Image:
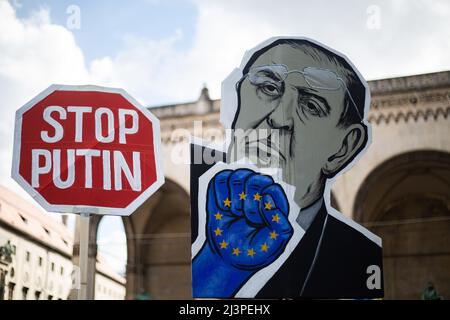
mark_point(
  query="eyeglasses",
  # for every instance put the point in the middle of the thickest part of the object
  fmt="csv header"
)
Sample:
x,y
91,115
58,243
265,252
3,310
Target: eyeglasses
x,y
316,78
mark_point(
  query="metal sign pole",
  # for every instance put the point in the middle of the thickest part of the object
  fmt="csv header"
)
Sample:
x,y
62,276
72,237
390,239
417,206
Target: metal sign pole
x,y
84,255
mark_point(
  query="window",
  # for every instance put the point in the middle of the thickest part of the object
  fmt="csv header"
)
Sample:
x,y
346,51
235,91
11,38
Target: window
x,y
11,290
37,295
25,220
24,293
61,271
53,266
40,261
27,256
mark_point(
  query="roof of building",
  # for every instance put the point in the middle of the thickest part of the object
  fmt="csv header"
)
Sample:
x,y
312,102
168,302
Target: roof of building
x,y
24,217
104,268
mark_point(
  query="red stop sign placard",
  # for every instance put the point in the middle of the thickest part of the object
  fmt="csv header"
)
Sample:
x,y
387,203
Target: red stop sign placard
x,y
87,149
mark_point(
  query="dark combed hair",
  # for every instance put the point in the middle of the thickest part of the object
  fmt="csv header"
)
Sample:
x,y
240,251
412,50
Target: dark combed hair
x,y
354,85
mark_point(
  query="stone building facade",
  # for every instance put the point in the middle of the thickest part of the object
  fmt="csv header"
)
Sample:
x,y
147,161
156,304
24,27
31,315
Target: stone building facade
x,y
40,265
400,189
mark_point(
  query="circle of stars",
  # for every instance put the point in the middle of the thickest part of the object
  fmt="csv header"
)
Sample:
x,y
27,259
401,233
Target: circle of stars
x,y
250,252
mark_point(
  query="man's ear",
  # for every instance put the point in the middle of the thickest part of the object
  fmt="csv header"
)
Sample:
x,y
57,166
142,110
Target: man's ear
x,y
352,144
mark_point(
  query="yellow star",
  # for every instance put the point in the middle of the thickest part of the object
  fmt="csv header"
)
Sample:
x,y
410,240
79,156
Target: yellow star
x,y
257,197
276,218
223,245
268,205
242,196
218,232
273,235
264,247
227,202
236,252
218,216
251,252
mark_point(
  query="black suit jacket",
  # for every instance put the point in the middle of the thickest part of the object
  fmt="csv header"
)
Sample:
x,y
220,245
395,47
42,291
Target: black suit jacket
x,y
330,261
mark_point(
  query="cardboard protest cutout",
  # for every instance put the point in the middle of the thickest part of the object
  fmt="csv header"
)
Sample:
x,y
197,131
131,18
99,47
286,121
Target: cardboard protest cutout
x,y
262,221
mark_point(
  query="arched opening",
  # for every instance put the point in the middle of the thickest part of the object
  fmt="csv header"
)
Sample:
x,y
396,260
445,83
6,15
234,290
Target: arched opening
x,y
111,259
406,201
157,241
164,246
158,246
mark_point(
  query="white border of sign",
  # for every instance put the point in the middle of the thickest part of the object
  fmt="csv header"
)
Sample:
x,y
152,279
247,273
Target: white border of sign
x,y
87,209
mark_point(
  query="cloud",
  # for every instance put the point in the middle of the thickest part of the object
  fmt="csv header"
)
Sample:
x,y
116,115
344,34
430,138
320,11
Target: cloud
x,y
147,69
409,40
34,53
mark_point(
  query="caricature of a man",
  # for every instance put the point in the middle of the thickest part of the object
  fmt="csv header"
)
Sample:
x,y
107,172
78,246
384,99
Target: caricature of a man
x,y
315,101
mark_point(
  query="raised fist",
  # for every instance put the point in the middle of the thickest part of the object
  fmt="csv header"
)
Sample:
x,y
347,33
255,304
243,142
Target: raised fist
x,y
247,228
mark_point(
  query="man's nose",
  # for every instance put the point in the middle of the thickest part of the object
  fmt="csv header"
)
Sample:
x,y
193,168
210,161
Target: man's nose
x,y
281,116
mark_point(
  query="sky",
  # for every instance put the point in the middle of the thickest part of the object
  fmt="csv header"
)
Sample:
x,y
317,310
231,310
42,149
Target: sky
x,y
163,52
